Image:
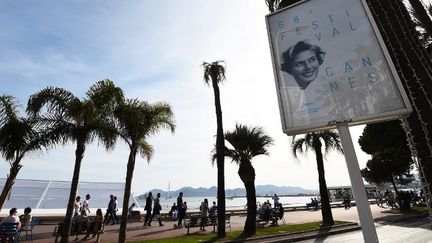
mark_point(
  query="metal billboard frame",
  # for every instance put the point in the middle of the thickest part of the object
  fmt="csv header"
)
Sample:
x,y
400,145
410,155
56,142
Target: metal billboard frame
x,y
385,116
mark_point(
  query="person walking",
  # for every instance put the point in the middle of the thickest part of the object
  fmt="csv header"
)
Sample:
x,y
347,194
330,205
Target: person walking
x,y
181,209
85,205
156,210
148,209
275,200
380,201
77,206
204,208
109,211
114,211
347,200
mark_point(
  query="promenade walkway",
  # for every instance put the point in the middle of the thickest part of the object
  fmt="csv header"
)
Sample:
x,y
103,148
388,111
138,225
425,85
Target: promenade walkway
x,y
136,231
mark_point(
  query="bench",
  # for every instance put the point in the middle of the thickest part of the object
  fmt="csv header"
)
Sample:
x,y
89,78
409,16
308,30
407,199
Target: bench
x,y
271,216
29,228
135,216
9,232
197,221
313,207
78,229
228,221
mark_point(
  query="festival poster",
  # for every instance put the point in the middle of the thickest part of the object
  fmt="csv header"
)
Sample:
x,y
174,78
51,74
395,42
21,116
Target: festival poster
x,y
330,67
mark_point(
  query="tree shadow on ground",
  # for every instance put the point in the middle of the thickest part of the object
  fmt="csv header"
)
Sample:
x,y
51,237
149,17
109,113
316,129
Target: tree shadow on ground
x,y
324,229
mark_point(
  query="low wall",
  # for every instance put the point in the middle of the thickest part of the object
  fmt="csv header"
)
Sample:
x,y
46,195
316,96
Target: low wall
x,y
56,216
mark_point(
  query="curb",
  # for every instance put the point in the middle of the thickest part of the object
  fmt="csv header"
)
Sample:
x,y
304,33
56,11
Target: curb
x,y
312,234
305,235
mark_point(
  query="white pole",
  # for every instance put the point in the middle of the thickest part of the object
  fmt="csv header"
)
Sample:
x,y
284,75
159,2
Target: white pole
x,y
359,191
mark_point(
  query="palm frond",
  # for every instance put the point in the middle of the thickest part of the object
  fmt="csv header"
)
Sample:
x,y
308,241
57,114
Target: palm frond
x,y
247,143
56,100
331,141
272,5
214,72
8,109
297,147
161,116
308,141
145,150
104,94
137,120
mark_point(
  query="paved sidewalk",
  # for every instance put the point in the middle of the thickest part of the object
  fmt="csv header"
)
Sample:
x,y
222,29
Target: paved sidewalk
x,y
136,231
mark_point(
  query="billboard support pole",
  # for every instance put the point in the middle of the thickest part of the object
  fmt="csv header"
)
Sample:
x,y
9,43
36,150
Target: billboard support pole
x,y
359,191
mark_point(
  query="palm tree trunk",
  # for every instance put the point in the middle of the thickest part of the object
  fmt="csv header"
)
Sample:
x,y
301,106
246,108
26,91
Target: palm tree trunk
x,y
13,172
127,190
79,155
326,212
247,175
220,146
394,186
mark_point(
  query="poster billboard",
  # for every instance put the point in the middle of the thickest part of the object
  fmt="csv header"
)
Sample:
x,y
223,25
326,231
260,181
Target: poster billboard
x,y
331,67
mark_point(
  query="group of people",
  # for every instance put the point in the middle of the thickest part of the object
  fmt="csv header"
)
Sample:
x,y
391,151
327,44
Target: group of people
x,y
81,221
347,200
156,209
265,210
386,197
23,221
82,208
207,212
111,212
313,204
153,209
389,198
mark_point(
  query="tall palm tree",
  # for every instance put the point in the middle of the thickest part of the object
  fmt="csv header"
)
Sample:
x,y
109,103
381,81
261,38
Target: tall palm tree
x,y
414,67
18,136
136,122
215,73
247,143
314,141
80,121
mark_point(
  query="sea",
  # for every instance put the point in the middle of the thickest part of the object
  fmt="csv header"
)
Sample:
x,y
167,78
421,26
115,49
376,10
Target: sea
x,y
234,203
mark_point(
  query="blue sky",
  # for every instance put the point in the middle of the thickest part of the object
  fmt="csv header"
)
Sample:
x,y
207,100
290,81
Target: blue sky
x,y
153,51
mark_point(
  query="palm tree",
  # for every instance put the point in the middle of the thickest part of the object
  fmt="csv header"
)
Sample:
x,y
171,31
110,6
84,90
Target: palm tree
x,y
215,73
79,121
18,136
136,122
247,142
313,141
414,67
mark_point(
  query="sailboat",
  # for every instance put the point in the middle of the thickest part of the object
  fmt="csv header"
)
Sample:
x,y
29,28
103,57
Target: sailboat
x,y
168,192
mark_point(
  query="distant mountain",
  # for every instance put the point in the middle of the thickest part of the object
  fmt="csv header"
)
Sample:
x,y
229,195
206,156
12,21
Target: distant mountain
x,y
261,190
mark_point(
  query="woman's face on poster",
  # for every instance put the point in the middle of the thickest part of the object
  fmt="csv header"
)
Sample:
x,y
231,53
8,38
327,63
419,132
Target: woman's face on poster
x,y
305,67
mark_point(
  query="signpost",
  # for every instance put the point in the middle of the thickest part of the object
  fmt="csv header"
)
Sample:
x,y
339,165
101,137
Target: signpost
x,y
359,191
331,71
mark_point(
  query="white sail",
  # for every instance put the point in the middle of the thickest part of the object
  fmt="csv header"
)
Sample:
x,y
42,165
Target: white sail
x,y
168,192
